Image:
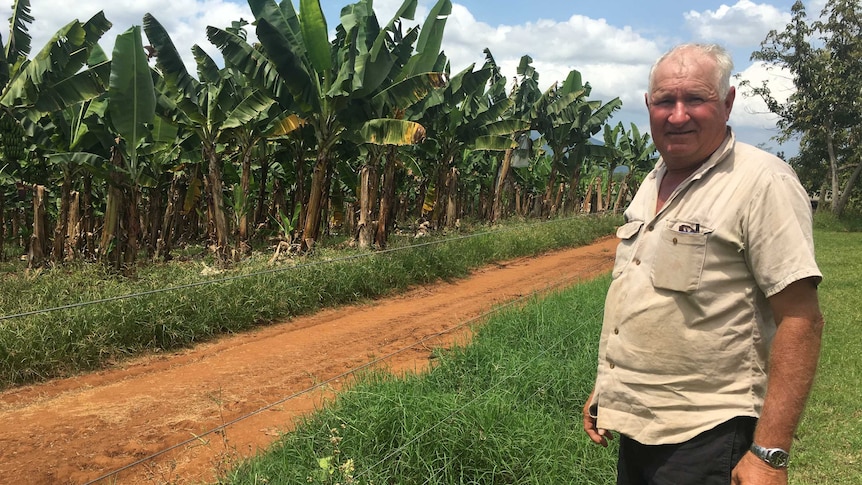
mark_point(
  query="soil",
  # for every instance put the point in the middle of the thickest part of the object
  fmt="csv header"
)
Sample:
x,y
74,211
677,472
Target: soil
x,y
183,417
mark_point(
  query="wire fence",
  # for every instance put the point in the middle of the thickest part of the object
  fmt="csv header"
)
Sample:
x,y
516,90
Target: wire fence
x,y
255,274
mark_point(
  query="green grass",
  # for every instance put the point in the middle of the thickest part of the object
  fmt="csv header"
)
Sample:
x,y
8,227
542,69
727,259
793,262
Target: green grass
x,y
829,445
80,338
506,408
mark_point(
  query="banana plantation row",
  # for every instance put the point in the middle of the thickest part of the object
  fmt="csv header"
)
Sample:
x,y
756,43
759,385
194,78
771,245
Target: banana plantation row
x,y
287,138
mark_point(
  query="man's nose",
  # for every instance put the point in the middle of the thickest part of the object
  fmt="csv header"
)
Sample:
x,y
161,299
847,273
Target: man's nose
x,y
679,113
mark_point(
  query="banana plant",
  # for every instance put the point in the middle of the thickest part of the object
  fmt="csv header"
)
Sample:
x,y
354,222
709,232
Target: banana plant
x,y
69,69
319,80
131,105
472,112
566,120
214,108
379,122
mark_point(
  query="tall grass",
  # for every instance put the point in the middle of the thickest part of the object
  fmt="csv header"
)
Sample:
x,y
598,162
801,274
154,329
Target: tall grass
x,y
505,409
48,344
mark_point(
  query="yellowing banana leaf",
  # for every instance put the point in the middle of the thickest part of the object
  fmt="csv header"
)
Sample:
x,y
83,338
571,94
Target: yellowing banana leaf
x,y
387,131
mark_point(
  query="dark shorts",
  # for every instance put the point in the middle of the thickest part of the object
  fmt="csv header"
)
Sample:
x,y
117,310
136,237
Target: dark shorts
x,y
706,459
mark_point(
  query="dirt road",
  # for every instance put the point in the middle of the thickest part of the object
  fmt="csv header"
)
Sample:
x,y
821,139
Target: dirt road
x,y
247,387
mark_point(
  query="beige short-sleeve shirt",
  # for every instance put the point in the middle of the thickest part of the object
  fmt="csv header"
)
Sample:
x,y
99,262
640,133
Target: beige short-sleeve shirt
x,y
687,325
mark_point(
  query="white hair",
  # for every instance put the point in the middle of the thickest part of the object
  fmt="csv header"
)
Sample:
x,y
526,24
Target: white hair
x,y
718,54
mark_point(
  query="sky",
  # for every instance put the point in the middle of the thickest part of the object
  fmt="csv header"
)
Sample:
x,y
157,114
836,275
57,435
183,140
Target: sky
x,y
612,44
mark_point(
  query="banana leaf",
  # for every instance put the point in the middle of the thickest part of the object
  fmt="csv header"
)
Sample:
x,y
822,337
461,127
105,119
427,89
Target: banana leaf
x,y
315,35
249,109
494,143
258,69
387,131
304,85
282,17
131,94
168,60
410,91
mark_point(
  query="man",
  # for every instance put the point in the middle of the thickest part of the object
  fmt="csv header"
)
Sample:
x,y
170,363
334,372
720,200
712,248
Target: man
x,y
713,297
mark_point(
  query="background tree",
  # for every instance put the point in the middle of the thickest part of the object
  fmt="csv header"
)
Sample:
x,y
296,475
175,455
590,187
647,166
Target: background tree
x,y
826,107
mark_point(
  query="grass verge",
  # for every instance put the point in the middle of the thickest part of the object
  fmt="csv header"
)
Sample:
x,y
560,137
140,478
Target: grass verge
x,y
36,344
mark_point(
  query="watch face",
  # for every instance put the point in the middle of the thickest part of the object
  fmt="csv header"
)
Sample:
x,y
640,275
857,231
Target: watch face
x,y
777,458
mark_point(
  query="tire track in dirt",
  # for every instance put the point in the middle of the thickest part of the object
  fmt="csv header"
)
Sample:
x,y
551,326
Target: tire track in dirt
x,y
72,431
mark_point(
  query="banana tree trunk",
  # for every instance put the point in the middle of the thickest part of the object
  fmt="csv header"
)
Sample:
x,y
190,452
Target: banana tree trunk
x,y
421,193
547,201
387,201
2,226
133,227
112,244
599,198
368,187
245,196
215,203
574,189
313,211
88,222
611,168
39,238
558,199
452,197
624,187
438,212
261,190
497,212
73,234
58,252
164,242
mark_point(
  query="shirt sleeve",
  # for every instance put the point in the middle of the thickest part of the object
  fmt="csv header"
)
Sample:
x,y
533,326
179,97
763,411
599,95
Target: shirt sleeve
x,y
778,233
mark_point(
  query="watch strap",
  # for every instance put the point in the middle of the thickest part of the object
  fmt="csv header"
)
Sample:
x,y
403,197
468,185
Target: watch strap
x,y
774,457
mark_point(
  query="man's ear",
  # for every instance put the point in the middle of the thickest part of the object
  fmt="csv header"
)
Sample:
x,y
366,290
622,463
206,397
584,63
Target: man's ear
x,y
646,100
728,101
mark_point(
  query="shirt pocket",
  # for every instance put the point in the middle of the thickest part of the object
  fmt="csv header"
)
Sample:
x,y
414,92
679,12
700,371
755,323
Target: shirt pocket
x,y
627,233
679,259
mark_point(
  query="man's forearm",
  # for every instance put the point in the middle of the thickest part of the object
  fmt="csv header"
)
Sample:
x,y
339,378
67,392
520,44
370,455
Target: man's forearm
x,y
793,364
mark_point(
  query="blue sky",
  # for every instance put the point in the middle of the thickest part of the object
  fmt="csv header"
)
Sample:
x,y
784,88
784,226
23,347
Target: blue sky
x,y
612,43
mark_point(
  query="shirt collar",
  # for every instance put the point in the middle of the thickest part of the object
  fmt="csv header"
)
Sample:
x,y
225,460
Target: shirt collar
x,y
718,156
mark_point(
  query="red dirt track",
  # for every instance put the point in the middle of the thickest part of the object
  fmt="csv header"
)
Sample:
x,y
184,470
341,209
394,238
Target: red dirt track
x,y
77,430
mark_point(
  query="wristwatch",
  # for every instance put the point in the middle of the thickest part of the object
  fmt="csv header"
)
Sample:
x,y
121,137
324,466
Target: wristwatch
x,y
774,457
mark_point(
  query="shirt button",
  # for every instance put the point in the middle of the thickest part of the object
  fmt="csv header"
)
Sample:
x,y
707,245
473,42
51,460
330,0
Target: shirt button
x,y
674,241
616,331
637,262
650,228
611,365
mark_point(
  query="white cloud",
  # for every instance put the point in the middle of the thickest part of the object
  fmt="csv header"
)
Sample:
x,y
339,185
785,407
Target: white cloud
x,y
744,24
751,110
612,59
186,20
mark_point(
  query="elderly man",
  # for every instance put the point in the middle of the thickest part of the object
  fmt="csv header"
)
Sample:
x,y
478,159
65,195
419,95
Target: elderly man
x,y
712,326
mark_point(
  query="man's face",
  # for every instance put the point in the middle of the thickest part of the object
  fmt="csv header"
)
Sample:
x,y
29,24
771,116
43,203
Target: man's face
x,y
688,120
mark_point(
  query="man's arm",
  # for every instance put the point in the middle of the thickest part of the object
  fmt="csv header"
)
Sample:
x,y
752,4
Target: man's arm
x,y
792,366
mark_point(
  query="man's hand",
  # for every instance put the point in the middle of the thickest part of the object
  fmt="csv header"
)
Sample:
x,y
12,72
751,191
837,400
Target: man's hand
x,y
751,470
598,436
